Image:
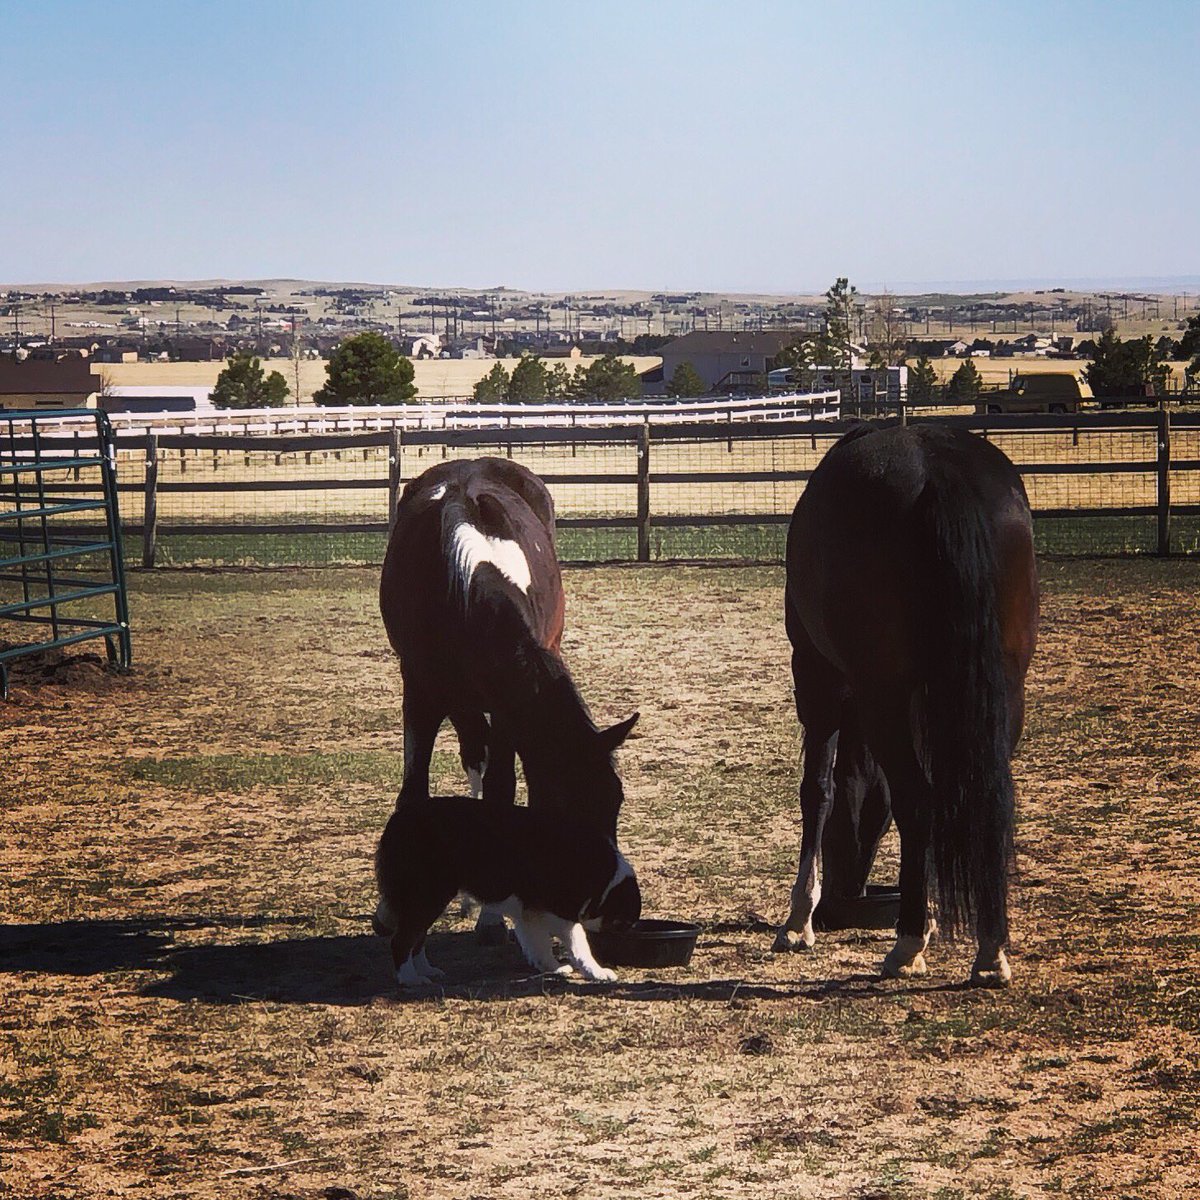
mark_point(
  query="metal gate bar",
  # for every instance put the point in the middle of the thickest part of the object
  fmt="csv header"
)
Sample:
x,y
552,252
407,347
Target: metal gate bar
x,y
57,567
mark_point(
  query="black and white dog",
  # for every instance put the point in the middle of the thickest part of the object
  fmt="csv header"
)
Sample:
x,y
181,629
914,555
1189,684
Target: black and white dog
x,y
550,875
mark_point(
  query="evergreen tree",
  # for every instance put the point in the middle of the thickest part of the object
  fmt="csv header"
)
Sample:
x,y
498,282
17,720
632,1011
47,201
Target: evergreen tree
x,y
965,385
685,381
493,387
797,354
560,382
922,382
530,382
833,344
367,369
1124,368
608,378
1189,344
242,384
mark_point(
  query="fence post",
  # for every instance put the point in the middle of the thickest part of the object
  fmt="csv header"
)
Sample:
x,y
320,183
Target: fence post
x,y
643,492
150,509
1164,480
395,446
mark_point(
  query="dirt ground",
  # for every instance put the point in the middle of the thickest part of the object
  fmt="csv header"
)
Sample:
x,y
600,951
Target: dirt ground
x,y
192,1004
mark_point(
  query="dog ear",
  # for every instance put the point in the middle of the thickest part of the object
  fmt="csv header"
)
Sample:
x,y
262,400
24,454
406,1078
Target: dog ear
x,y
613,736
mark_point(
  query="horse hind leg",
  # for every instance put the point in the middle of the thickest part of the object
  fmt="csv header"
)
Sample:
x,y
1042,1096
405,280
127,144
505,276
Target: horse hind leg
x,y
991,967
816,799
910,794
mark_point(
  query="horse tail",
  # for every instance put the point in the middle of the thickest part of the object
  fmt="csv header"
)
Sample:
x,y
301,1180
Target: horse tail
x,y
966,724
456,510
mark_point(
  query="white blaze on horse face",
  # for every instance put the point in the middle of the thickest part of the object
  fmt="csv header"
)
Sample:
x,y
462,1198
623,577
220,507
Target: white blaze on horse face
x,y
472,548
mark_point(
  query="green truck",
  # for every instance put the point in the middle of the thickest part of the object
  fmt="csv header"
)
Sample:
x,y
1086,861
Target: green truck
x,y
1038,392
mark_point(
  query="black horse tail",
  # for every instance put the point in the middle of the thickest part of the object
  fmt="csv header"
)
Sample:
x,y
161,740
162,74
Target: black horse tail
x,y
966,724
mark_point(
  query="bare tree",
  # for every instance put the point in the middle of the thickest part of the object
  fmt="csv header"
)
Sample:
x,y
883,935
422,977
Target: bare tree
x,y
887,340
297,359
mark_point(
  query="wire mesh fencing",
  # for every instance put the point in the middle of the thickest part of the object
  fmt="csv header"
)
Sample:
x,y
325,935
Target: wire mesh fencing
x,y
1098,484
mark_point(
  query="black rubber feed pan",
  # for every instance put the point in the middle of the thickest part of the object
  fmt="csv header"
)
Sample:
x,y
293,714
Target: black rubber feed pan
x,y
647,943
878,909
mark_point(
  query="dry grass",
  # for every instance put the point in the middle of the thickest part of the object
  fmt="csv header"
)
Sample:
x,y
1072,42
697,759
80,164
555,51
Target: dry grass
x,y
191,991
436,379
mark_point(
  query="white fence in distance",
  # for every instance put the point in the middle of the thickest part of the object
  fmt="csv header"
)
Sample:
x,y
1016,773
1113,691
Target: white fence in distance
x,y
799,406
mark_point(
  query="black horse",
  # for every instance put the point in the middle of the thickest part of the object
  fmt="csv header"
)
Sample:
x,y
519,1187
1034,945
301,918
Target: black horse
x,y
472,600
912,609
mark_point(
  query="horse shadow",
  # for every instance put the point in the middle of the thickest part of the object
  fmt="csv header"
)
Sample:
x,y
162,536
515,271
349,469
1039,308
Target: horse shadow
x,y
349,970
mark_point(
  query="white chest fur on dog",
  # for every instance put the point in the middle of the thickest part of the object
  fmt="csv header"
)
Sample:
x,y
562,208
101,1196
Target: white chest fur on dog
x,y
472,549
549,875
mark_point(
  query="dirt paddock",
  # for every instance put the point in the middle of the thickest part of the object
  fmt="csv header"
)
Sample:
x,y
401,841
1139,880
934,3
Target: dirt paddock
x,y
192,1004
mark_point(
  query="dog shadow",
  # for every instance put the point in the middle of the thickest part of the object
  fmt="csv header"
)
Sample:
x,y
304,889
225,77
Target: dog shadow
x,y
344,969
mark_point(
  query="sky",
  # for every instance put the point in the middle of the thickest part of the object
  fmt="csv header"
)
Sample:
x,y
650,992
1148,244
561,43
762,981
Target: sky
x,y
760,146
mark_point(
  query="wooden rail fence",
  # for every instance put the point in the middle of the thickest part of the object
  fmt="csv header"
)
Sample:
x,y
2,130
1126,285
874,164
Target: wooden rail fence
x,y
654,462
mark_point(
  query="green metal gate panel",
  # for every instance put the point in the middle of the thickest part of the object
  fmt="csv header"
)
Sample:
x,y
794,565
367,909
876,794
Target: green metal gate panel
x,y
62,571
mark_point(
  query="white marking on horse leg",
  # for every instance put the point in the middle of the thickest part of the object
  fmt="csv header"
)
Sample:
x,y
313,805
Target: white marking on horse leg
x,y
575,941
537,944
424,967
797,932
907,957
471,548
991,968
438,492
407,974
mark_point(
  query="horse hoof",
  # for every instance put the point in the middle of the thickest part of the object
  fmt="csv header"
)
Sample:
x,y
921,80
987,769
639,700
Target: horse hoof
x,y
996,974
788,941
894,968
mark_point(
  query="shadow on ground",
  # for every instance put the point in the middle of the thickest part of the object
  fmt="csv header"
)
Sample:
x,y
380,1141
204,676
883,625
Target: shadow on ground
x,y
345,969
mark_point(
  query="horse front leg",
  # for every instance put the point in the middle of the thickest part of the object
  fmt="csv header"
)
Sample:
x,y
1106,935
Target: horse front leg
x,y
422,720
816,799
500,786
472,730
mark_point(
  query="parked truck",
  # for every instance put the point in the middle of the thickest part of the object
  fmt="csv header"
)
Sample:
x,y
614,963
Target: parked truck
x,y
1037,392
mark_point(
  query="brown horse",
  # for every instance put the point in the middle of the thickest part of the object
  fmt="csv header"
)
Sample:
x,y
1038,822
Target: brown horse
x,y
473,604
912,609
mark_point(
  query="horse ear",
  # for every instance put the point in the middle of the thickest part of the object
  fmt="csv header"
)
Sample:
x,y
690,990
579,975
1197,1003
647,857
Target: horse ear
x,y
612,737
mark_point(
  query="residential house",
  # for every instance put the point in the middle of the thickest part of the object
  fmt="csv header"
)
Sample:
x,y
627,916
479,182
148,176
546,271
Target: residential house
x,y
728,361
64,382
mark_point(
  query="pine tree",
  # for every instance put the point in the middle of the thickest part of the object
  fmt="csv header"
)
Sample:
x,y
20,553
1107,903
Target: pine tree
x,y
367,369
685,381
530,381
493,387
922,382
242,384
965,385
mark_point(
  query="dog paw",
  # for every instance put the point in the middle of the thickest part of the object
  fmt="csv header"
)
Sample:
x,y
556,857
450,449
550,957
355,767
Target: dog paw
x,y
602,975
412,981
